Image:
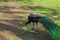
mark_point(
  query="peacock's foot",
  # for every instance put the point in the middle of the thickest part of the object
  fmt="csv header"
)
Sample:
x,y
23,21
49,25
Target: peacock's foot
x,y
36,30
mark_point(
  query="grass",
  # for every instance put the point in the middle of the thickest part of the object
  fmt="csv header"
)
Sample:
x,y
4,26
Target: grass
x,y
13,38
50,7
21,14
58,23
36,2
27,28
1,14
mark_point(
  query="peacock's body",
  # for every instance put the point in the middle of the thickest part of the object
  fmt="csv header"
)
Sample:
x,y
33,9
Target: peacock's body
x,y
51,27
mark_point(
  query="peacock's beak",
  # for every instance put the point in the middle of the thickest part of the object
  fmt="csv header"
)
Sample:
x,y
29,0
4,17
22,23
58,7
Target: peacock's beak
x,y
27,22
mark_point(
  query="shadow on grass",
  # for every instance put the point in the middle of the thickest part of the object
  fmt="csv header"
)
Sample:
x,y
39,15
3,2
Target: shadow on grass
x,y
26,35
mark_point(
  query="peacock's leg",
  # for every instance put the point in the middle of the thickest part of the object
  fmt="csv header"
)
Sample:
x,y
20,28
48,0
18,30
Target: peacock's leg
x,y
33,26
36,27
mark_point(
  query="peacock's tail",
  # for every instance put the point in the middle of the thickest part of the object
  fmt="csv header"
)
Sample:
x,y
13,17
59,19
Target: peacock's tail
x,y
51,26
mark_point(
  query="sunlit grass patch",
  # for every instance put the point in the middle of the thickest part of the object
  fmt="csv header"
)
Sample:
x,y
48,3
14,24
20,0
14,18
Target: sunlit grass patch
x,y
1,14
58,23
27,28
13,38
57,16
21,14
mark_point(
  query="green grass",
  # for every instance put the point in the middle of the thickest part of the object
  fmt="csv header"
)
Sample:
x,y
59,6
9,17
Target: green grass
x,y
27,28
13,38
50,7
1,14
58,23
39,2
42,2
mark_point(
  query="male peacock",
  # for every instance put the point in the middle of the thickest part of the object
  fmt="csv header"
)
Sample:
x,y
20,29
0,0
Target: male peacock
x,y
47,23
34,18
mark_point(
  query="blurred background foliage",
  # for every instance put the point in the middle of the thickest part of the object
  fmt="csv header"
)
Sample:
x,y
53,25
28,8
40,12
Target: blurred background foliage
x,y
50,8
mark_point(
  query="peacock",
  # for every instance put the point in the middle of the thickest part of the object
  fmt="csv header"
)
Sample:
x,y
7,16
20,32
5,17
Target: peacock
x,y
49,24
33,17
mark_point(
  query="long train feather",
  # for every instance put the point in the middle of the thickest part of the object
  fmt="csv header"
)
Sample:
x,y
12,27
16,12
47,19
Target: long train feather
x,y
51,27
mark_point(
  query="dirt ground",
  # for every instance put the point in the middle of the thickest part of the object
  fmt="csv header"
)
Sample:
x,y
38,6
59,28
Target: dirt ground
x,y
12,30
